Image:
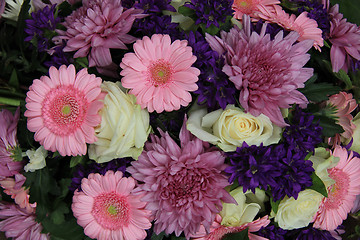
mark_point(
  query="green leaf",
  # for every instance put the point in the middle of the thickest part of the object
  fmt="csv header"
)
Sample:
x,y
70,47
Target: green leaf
x,y
68,230
64,187
342,75
81,62
274,205
243,235
234,186
317,92
10,101
188,12
58,216
329,125
24,14
14,81
77,160
212,30
158,237
350,9
318,185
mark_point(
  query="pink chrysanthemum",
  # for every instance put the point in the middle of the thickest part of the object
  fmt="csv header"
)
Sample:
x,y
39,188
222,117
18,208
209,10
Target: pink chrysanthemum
x,y
183,185
108,210
306,27
17,223
345,40
218,231
14,188
267,72
62,109
96,27
159,73
344,104
251,8
8,142
342,194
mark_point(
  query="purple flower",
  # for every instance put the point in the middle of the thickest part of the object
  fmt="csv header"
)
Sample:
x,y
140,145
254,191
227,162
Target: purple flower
x,y
40,28
272,232
309,233
211,12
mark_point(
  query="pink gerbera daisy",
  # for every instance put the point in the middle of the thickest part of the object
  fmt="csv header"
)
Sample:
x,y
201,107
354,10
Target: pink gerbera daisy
x,y
8,143
95,28
159,73
17,223
108,210
342,194
183,185
344,104
62,109
267,72
251,8
218,231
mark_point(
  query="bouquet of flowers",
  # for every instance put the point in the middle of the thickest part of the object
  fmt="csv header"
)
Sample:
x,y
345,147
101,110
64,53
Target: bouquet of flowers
x,y
182,119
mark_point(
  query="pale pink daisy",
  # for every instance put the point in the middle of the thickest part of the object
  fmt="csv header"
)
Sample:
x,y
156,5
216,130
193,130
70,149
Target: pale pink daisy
x,y
14,188
183,185
159,73
345,40
345,104
8,143
342,194
108,210
251,8
306,27
97,27
267,72
20,224
62,109
218,231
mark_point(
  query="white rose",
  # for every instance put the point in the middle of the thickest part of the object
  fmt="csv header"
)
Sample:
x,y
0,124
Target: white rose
x,y
293,214
356,134
229,128
236,215
124,126
37,159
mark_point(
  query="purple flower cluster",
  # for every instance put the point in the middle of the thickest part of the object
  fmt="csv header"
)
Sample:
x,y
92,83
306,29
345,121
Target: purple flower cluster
x,y
156,22
215,90
279,167
82,171
40,28
211,12
302,133
310,233
272,232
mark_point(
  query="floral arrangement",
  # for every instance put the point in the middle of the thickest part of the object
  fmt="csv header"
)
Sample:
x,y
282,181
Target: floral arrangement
x,y
182,119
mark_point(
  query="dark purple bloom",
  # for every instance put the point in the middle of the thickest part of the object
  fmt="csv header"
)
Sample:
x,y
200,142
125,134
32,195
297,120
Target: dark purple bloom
x,y
309,233
272,232
211,12
40,28
58,57
215,90
154,6
302,133
253,166
82,171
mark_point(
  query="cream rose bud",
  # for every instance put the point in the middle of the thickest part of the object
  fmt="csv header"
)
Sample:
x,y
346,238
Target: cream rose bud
x,y
293,214
248,206
37,159
124,126
229,128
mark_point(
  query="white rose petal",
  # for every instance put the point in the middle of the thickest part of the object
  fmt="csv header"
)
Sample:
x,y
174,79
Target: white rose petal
x,y
37,159
124,126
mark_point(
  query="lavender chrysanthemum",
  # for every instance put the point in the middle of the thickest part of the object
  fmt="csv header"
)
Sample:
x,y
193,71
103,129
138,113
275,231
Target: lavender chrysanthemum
x,y
211,12
215,90
253,167
266,72
41,26
183,185
302,133
83,171
271,28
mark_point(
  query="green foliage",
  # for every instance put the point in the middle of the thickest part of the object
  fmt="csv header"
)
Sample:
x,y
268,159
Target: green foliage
x,y
80,159
318,185
187,12
274,205
158,237
243,235
317,92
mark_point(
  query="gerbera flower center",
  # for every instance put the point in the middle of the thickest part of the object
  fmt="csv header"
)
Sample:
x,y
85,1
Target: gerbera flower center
x,y
111,210
338,190
160,72
245,6
64,110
